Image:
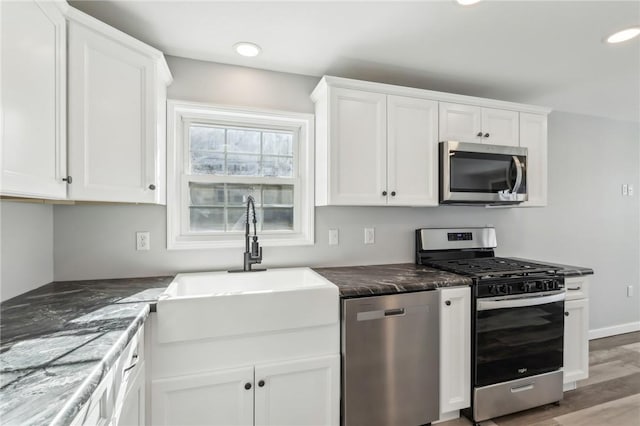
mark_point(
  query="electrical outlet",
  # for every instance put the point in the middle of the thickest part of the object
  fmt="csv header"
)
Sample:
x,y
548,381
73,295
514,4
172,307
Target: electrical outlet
x,y
143,241
630,190
333,237
369,235
625,189
629,291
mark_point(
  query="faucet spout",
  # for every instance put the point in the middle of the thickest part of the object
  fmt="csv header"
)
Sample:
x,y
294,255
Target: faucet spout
x,y
252,251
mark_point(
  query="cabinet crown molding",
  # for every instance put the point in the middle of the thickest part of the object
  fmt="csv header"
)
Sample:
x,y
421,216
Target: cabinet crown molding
x,y
389,89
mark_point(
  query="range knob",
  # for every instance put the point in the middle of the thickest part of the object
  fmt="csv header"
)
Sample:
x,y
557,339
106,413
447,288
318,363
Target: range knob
x,y
504,289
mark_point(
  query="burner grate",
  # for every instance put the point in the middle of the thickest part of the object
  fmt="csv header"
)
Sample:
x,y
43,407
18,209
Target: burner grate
x,y
491,267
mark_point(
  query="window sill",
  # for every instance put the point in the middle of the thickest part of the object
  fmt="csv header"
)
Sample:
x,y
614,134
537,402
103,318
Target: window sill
x,y
203,243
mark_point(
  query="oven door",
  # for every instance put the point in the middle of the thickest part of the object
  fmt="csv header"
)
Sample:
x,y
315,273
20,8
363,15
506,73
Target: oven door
x,y
487,174
518,336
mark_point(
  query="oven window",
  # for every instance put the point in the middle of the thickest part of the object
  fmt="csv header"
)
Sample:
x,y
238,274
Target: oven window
x,y
484,173
512,343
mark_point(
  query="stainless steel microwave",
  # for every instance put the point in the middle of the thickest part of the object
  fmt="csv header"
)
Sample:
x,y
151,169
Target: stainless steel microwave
x,y
472,173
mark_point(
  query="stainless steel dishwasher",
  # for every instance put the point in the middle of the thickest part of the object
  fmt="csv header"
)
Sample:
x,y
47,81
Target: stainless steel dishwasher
x,y
390,360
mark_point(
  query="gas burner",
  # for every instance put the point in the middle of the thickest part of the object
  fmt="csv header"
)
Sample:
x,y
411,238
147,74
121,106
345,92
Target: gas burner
x,y
491,267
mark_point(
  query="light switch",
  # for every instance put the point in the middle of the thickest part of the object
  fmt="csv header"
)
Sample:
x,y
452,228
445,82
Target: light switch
x,y
333,237
630,191
625,189
369,235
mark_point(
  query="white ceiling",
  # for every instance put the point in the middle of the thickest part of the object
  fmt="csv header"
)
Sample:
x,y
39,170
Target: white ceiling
x,y
545,53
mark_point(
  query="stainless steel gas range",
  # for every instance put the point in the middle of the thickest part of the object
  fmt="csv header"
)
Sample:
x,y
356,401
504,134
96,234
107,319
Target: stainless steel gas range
x,y
517,320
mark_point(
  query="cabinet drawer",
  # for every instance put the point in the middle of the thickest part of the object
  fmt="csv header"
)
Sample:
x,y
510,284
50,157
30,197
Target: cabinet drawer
x,y
577,288
97,411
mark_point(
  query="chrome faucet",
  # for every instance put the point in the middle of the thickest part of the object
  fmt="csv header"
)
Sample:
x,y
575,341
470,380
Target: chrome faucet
x,y
253,251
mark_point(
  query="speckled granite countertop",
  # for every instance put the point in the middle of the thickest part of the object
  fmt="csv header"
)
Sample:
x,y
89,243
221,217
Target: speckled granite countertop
x,y
59,340
373,280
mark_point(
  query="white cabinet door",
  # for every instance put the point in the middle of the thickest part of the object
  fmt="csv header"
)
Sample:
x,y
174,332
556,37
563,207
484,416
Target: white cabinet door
x,y
412,151
455,349
215,398
113,120
500,127
533,136
576,340
357,147
33,100
298,393
462,123
132,412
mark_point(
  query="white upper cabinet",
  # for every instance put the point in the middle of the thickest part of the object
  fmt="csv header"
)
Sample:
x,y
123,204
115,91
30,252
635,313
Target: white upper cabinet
x,y
533,136
33,100
467,123
412,151
117,97
374,149
355,149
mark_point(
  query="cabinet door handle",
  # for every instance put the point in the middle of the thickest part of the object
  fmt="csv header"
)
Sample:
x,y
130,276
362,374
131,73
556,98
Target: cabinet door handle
x,y
152,187
247,386
448,302
393,193
486,135
479,134
67,179
261,383
574,288
384,193
133,364
566,314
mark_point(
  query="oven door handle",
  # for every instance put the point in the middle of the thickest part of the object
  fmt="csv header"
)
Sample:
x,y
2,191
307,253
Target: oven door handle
x,y
486,305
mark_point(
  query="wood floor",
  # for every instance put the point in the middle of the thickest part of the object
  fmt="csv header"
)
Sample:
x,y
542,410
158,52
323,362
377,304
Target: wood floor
x,y
610,396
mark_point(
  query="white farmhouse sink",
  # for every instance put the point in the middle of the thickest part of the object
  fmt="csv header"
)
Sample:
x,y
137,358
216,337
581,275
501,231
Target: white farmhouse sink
x,y
208,305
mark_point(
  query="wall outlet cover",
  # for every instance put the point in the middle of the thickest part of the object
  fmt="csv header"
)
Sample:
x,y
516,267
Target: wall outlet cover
x,y
369,235
333,237
143,241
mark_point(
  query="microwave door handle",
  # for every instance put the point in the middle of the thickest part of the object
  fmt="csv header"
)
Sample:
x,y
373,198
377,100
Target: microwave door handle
x,y
518,182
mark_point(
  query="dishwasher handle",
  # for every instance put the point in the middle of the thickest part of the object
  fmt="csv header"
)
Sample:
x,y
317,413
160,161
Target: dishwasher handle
x,y
390,313
394,312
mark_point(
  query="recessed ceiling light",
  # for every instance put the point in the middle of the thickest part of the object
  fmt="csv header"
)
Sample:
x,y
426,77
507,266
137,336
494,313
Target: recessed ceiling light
x,y
624,35
467,2
246,48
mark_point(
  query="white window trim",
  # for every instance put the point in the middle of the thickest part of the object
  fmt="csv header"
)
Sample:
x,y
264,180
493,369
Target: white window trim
x,y
181,112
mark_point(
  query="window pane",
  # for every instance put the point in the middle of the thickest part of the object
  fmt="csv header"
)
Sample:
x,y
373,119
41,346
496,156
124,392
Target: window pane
x,y
206,219
206,138
277,218
236,219
206,194
277,143
277,166
204,162
246,141
237,194
243,165
278,194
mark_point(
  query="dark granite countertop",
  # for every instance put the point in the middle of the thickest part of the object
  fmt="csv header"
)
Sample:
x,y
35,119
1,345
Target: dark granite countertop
x,y
372,280
59,340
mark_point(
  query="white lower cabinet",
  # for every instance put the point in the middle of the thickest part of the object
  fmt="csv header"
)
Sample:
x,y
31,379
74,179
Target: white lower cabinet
x,y
132,412
455,350
576,332
223,398
293,392
297,393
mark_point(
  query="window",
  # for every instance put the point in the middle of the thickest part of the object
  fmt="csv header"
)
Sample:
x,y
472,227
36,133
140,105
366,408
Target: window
x,y
219,155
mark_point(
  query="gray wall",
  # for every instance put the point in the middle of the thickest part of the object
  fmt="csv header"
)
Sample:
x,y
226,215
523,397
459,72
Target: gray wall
x,y
26,247
587,221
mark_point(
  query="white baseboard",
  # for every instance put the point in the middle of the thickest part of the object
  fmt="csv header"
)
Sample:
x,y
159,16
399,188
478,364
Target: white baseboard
x,y
614,329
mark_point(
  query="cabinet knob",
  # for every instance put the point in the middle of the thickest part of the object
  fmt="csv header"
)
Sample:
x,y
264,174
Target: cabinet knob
x,y
479,134
261,383
566,314
448,302
247,386
152,187
67,179
384,193
393,193
486,135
